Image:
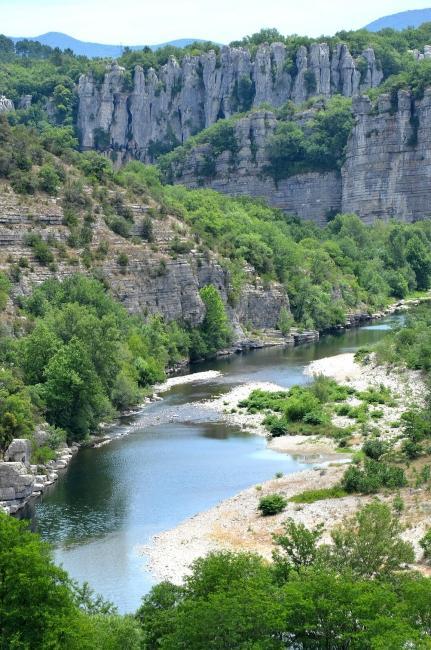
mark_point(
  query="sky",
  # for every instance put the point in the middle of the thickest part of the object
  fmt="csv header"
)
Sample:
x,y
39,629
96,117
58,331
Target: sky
x,y
137,22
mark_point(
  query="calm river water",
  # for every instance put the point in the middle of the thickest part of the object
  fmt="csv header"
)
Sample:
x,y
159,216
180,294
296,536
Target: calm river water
x,y
177,460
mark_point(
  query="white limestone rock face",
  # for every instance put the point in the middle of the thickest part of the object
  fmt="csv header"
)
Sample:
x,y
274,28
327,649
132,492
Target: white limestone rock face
x,y
6,105
16,483
19,450
388,166
312,196
155,111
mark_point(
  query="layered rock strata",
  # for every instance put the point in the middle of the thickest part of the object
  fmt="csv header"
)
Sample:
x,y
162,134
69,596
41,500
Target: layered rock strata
x,y
386,174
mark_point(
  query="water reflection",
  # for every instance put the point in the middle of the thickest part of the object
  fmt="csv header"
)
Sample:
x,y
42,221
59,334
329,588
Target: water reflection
x,y
178,459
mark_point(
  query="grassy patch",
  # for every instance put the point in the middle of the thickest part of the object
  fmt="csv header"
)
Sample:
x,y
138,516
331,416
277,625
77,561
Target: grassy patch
x,y
310,496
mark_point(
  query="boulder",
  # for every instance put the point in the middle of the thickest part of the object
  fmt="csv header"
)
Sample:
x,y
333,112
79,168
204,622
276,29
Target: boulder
x,y
15,482
19,451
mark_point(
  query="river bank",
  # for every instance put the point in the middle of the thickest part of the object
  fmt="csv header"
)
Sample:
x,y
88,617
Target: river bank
x,y
235,524
37,479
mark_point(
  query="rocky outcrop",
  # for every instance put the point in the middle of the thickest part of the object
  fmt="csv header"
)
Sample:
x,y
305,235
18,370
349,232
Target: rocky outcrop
x,y
16,482
155,280
20,481
19,451
388,167
313,196
6,105
387,172
155,111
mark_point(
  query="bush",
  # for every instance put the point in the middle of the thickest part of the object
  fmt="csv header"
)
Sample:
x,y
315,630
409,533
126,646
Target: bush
x,y
48,179
123,260
299,404
374,476
272,504
285,321
425,544
23,182
120,226
41,249
374,448
42,455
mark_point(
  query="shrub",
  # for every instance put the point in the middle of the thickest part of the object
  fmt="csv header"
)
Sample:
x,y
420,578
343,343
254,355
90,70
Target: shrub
x,y
285,321
147,231
23,182
41,249
123,260
374,476
300,403
272,504
328,390
374,448
42,455
425,544
48,179
310,496
120,226
56,437
276,426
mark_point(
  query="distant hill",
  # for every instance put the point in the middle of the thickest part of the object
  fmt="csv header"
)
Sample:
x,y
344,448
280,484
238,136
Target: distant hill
x,y
412,18
92,50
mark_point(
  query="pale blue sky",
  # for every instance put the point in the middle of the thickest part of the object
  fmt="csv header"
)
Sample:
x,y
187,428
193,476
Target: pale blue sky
x,y
153,21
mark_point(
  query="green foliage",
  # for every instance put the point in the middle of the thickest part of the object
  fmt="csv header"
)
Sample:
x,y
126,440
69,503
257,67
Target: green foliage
x,y
311,496
302,407
272,504
425,543
411,344
318,146
347,258
374,448
340,595
296,548
42,455
5,287
372,477
285,321
370,544
215,332
17,413
85,357
41,249
48,179
36,607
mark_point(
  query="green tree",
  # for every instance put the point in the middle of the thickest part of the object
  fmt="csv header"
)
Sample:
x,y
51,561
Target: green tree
x,y
296,548
215,327
73,392
370,544
36,606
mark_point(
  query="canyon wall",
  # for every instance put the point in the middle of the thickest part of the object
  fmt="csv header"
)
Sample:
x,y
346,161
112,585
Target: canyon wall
x,y
313,196
152,112
387,172
388,165
155,280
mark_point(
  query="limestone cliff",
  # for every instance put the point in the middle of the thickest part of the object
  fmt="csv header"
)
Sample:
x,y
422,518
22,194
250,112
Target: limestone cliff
x,y
387,172
156,111
155,279
388,166
312,196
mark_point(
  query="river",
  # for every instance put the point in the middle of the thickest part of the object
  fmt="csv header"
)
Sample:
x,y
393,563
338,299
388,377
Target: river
x,y
177,459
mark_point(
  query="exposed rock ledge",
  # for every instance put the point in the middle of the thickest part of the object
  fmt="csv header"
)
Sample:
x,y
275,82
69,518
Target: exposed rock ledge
x,y
20,480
